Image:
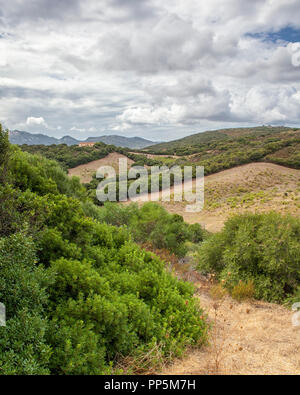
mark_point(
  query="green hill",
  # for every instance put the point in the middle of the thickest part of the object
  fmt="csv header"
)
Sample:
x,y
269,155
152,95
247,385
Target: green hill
x,y
226,148
195,142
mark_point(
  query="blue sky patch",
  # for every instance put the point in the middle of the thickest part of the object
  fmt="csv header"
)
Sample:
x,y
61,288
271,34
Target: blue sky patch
x,y
288,34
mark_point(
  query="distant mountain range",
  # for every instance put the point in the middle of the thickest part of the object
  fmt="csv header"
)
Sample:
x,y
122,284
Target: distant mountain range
x,y
19,137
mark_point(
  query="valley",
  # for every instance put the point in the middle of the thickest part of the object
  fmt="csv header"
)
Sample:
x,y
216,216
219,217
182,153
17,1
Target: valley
x,y
250,218
149,190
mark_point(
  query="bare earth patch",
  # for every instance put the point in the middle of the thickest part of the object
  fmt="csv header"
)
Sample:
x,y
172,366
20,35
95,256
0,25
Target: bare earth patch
x,y
85,172
247,338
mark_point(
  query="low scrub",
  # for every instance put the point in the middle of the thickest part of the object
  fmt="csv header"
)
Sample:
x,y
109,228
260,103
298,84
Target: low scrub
x,y
261,250
80,294
152,223
243,291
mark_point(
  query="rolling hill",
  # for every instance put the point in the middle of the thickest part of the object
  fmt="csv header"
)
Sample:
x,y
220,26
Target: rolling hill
x,y
195,142
222,149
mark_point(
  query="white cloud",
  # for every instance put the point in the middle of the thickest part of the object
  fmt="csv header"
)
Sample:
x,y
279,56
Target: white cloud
x,y
124,126
75,129
36,121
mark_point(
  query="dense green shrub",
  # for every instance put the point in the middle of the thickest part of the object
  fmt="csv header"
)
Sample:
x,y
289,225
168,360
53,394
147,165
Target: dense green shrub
x,y
123,299
23,346
264,248
42,176
152,223
79,292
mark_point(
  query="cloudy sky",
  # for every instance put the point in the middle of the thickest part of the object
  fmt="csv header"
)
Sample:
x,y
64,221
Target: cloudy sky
x,y
149,68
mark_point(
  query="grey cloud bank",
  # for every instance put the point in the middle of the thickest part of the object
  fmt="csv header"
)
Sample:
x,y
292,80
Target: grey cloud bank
x,y
159,70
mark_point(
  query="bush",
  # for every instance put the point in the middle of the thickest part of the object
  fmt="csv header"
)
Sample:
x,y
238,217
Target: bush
x,y
263,248
23,346
40,175
243,291
152,223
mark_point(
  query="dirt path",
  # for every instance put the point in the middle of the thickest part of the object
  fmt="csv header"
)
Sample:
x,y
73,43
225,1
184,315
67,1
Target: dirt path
x,y
248,338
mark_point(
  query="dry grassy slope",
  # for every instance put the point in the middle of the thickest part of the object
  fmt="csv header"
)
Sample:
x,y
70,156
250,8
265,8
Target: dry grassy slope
x,y
85,172
255,187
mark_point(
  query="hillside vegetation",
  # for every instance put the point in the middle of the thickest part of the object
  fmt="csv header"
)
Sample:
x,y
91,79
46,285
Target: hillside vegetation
x,y
258,249
72,156
215,150
88,296
223,149
80,295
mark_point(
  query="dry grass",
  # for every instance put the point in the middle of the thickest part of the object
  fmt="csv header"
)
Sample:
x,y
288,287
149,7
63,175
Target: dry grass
x,y
217,292
243,291
256,187
251,337
142,363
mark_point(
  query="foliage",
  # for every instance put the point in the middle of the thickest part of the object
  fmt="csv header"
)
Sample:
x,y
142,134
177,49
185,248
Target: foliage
x,y
72,156
224,149
152,223
42,176
23,346
79,292
263,248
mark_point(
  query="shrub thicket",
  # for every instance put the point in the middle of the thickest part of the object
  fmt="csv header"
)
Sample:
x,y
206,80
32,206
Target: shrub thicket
x,y
79,293
72,156
152,223
262,248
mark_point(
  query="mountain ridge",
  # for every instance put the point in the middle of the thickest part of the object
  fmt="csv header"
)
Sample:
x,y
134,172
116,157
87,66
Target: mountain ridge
x,y
21,137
